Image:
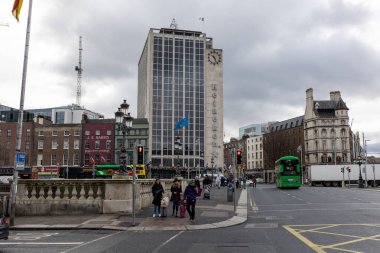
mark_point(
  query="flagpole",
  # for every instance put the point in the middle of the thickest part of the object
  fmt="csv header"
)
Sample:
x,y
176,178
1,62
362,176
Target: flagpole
x,y
20,116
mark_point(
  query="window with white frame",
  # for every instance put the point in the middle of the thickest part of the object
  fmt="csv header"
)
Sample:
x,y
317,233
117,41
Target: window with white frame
x,y
76,132
54,133
87,132
97,133
40,144
66,133
109,132
76,144
97,144
28,132
108,144
53,159
66,143
76,159
9,132
87,144
54,144
40,133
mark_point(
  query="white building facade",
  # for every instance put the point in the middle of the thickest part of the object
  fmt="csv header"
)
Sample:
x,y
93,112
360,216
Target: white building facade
x,y
326,130
255,158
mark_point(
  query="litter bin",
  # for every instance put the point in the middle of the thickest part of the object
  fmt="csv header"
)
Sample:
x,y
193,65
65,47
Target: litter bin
x,y
230,192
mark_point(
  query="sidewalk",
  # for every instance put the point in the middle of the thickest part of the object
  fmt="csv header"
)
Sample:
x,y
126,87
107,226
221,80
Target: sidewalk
x,y
213,213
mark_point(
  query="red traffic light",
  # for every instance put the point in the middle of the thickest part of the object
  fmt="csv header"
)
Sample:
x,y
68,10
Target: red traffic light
x,y
238,153
140,149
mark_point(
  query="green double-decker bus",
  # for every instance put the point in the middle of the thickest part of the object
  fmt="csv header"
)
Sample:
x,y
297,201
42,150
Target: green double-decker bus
x,y
288,172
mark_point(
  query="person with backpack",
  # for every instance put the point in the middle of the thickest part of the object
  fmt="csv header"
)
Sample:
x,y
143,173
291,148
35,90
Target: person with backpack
x,y
190,197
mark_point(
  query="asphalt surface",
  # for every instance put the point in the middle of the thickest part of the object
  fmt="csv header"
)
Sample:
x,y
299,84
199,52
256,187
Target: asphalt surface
x,y
309,219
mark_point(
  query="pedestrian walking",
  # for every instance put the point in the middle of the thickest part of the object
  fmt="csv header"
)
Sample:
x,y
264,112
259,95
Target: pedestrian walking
x,y
176,196
218,181
254,182
244,181
190,196
157,191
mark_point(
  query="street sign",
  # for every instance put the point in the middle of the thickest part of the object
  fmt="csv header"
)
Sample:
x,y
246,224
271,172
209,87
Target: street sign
x,y
20,160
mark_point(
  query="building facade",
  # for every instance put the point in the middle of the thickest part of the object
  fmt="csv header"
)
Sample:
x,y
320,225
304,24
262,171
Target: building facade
x,y
70,114
181,76
98,142
283,138
254,129
137,135
255,156
57,146
327,130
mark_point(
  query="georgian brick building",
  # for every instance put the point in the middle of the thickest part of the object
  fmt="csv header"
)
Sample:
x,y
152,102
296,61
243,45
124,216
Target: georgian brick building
x,y
98,141
283,138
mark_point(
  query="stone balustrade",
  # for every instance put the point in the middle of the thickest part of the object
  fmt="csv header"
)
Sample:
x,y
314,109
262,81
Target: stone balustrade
x,y
83,196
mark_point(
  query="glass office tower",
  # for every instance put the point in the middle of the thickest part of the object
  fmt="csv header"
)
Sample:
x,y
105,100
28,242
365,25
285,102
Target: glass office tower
x,y
172,86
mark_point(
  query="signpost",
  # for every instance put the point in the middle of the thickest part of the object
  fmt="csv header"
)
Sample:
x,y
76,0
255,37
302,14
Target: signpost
x,y
20,160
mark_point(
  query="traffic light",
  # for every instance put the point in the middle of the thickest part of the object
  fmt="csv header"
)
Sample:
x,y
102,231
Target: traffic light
x,y
238,157
140,155
342,170
349,169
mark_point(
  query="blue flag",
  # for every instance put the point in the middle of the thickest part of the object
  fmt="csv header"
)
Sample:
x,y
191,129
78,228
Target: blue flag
x,y
182,123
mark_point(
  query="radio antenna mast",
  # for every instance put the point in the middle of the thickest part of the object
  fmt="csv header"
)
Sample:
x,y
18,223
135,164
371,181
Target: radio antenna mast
x,y
79,70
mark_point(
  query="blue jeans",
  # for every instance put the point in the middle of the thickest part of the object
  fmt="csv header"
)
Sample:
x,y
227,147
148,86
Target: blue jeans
x,y
157,209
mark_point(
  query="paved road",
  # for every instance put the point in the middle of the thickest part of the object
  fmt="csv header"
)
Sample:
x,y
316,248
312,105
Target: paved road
x,y
299,220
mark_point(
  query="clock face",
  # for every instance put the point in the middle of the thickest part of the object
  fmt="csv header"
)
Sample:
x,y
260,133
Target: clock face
x,y
214,57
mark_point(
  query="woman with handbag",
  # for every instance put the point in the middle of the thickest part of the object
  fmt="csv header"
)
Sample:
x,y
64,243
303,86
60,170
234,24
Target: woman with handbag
x,y
176,196
157,191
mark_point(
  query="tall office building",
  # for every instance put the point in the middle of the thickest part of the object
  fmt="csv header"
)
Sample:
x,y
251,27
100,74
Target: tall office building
x,y
181,75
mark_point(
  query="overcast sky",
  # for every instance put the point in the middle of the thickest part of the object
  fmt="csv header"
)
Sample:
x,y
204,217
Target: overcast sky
x,y
273,51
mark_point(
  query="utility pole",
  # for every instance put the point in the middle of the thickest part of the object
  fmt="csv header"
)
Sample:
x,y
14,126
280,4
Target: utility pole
x,y
20,116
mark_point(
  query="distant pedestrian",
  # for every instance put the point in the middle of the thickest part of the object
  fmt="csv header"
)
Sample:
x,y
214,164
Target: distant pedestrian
x,y
254,182
244,181
218,181
190,196
176,196
223,181
157,191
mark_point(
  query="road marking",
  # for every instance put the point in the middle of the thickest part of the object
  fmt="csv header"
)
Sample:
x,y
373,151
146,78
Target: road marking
x,y
298,230
101,238
309,243
40,243
167,241
320,209
31,236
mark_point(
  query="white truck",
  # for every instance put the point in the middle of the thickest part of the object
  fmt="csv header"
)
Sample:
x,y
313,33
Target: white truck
x,y
331,175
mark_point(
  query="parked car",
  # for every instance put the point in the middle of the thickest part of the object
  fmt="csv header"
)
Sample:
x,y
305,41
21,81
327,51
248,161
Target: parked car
x,y
249,182
4,227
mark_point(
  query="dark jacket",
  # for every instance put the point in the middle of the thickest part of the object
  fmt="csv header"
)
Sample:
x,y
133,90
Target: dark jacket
x,y
176,193
190,193
157,191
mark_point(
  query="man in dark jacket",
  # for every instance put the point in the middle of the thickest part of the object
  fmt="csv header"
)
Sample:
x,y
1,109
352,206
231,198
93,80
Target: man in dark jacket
x,y
190,196
157,191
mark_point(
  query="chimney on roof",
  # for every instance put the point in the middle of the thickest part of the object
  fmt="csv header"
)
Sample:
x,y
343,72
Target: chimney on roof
x,y
335,95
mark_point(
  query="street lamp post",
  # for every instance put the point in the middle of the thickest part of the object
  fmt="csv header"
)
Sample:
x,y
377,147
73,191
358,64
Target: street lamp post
x,y
124,121
212,170
365,165
359,162
68,157
177,148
